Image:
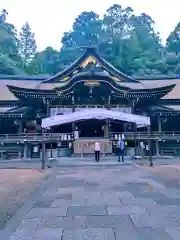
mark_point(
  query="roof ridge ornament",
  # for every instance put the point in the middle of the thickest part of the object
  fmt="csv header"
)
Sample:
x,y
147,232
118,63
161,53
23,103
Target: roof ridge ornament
x,y
89,59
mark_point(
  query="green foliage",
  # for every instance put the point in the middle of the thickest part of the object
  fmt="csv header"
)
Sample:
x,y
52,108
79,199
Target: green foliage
x,y
8,37
45,62
173,41
9,47
27,45
9,66
127,41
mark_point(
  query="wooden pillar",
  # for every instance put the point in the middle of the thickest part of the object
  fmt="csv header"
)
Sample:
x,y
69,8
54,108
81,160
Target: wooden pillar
x,y
149,145
21,129
106,129
26,150
47,108
73,110
104,150
43,150
135,138
51,146
157,148
159,124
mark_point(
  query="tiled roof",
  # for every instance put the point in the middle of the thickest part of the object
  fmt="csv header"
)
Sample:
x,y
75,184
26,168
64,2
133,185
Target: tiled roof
x,y
174,107
5,94
5,109
148,84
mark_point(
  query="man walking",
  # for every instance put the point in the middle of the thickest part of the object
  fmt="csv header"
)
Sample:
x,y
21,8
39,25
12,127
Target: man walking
x,y
120,146
97,148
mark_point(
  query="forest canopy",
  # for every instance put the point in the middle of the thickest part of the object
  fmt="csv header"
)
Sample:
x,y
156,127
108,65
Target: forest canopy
x,y
126,40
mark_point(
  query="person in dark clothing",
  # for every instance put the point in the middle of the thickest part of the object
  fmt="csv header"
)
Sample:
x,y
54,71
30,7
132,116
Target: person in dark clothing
x,y
120,146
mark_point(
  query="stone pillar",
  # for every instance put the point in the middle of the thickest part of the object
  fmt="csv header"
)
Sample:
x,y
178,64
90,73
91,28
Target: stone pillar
x,y
157,148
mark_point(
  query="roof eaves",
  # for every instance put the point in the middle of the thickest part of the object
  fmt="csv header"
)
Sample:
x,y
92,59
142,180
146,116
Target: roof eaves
x,y
23,77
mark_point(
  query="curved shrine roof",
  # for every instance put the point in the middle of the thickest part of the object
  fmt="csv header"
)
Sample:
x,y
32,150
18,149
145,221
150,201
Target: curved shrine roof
x,y
6,95
90,67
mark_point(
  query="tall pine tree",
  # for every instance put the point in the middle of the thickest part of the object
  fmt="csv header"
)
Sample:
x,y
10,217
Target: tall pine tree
x,y
28,45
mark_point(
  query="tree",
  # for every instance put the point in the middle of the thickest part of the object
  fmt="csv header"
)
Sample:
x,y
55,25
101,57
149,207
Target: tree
x,y
86,31
171,60
127,41
117,22
9,57
177,70
117,27
9,66
8,37
143,49
3,16
27,47
45,62
173,40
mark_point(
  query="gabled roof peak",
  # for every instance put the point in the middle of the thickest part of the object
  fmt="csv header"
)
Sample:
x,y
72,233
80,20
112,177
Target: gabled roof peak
x,y
90,56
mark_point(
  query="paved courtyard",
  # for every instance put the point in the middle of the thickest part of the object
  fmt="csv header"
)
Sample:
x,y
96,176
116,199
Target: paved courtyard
x,y
15,186
99,203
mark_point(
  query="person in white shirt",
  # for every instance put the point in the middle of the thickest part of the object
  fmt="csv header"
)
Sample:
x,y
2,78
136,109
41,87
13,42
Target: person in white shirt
x,y
97,148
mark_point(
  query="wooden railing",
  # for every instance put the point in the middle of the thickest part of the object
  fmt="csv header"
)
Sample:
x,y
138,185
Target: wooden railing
x,y
143,135
69,136
48,137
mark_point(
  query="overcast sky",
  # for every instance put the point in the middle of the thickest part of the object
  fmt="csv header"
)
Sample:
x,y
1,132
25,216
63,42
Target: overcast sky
x,y
50,18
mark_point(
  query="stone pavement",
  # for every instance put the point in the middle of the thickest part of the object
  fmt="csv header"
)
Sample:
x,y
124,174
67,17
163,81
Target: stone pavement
x,y
85,161
16,185
99,203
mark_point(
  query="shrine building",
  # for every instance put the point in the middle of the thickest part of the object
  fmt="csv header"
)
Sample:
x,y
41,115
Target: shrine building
x,y
88,83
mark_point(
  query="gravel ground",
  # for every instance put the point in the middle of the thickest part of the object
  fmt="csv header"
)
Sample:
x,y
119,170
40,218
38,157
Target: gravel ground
x,y
16,185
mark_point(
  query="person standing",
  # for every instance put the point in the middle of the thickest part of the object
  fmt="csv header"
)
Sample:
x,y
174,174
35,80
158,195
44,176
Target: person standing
x,y
120,146
97,148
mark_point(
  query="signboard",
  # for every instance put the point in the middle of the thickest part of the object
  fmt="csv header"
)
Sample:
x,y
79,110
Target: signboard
x,y
91,83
